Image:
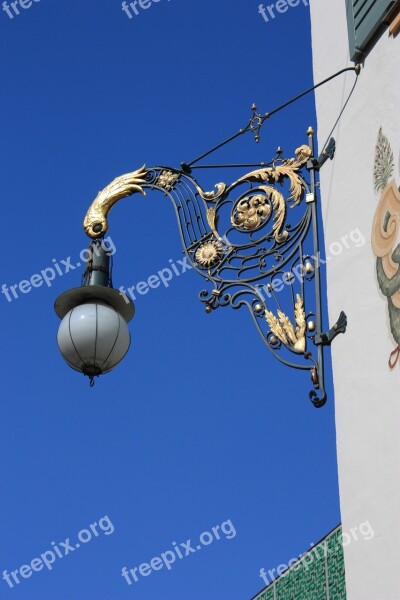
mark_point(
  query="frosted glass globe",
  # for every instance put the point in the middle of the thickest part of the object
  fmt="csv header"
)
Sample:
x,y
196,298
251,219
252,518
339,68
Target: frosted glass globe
x,y
93,338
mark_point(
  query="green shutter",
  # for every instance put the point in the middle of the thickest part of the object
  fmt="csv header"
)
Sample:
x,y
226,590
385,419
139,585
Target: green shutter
x,y
364,17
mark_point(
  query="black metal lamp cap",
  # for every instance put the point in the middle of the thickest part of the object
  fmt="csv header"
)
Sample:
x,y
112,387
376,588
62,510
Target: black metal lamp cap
x,y
80,295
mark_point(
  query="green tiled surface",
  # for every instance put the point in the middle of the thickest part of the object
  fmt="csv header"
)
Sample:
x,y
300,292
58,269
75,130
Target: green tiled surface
x,y
318,575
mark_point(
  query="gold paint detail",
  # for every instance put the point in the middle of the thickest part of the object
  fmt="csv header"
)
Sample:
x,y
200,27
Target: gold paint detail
x,y
212,196
308,268
120,187
167,180
314,376
310,131
311,326
212,221
288,169
209,254
284,330
252,211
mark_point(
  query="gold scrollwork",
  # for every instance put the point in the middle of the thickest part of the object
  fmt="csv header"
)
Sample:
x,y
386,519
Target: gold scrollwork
x,y
212,220
252,211
284,330
95,223
287,169
212,196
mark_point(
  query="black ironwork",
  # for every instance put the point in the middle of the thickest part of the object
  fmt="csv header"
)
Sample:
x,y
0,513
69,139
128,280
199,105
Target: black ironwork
x,y
249,246
257,120
248,240
97,271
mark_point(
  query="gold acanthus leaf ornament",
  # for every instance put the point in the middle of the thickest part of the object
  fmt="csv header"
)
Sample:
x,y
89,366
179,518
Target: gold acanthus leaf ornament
x,y
284,330
95,223
212,220
212,196
287,169
252,211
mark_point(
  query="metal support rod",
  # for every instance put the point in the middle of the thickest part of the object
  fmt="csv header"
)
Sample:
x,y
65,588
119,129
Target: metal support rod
x,y
187,166
234,165
317,401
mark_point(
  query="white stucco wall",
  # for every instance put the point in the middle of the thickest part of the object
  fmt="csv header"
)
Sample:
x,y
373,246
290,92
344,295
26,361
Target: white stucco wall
x,y
367,392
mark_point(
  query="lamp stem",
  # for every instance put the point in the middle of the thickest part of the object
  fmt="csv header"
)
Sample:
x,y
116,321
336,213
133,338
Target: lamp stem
x,y
97,270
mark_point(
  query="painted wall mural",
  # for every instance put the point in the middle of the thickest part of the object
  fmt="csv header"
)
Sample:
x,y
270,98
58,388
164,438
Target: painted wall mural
x,y
385,236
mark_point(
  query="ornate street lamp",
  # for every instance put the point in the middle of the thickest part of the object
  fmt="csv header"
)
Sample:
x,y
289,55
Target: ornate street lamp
x,y
93,336
255,242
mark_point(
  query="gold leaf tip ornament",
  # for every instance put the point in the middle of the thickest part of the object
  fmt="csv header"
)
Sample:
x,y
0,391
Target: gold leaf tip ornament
x,y
95,223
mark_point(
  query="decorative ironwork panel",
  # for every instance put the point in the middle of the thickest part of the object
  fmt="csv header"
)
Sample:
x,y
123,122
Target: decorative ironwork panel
x,y
250,240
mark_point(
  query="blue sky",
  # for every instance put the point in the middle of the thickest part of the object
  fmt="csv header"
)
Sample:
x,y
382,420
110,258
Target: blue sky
x,y
199,424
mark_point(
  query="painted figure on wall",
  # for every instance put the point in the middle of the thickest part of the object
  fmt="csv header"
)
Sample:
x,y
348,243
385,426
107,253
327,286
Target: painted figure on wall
x,y
385,236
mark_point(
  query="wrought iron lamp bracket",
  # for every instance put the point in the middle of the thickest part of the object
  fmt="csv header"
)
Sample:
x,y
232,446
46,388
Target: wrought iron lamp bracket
x,y
250,240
